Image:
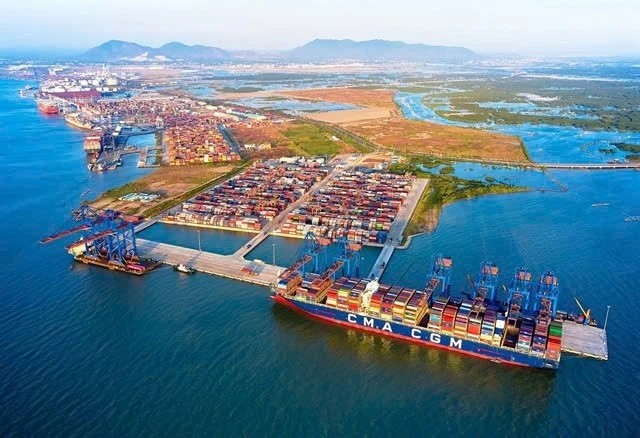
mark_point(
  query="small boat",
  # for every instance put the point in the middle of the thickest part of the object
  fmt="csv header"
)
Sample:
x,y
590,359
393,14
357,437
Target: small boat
x,y
600,204
184,269
632,219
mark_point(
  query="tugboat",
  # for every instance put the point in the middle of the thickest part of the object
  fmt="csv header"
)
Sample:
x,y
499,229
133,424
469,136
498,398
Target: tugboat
x,y
184,269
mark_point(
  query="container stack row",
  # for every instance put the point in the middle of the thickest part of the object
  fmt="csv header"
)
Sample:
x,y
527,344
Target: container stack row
x,y
540,335
250,200
526,335
314,288
198,142
376,299
554,342
437,311
356,205
462,318
449,316
488,325
288,282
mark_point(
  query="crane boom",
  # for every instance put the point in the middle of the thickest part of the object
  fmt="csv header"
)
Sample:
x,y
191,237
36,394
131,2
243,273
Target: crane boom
x,y
61,234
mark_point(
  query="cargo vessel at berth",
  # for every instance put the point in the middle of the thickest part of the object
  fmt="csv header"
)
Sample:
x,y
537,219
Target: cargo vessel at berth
x,y
48,107
518,325
76,120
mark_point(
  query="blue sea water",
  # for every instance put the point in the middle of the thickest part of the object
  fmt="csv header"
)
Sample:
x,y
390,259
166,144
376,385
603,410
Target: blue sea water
x,y
91,352
293,104
545,143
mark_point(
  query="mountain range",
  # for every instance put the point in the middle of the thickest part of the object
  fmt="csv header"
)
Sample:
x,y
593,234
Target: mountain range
x,y
115,50
379,50
316,50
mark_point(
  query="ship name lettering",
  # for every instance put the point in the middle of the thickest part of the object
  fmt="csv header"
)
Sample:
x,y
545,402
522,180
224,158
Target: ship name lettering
x,y
435,338
368,322
455,343
415,333
387,327
351,318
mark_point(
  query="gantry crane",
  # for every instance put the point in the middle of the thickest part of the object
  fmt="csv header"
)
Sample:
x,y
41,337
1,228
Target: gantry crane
x,y
108,236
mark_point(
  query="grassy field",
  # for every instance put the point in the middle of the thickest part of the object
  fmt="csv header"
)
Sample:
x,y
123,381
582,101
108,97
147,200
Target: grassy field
x,y
444,189
313,140
413,136
170,183
611,105
300,137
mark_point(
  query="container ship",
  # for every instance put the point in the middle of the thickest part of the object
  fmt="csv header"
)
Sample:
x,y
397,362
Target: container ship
x,y
48,107
74,119
518,325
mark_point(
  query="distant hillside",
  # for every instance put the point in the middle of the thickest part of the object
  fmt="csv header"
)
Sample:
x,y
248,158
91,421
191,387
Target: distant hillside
x,y
379,50
122,51
320,50
114,50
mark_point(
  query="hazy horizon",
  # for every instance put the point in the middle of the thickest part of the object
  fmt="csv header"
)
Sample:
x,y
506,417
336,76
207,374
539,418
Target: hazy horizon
x,y
542,28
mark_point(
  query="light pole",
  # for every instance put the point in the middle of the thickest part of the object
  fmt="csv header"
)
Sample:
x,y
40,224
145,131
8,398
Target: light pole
x,y
199,248
273,251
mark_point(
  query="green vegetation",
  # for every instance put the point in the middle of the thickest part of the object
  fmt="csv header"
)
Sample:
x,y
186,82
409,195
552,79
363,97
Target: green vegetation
x,y
628,147
606,105
446,170
444,189
633,157
314,139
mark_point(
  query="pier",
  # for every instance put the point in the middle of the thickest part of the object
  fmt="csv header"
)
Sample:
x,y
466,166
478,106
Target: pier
x,y
585,341
236,268
397,227
589,166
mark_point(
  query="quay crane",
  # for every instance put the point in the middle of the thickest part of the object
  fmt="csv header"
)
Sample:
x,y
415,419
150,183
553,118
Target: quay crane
x,y
440,276
548,291
486,281
108,239
522,286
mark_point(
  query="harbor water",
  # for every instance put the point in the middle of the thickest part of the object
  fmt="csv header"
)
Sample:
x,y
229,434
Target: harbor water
x,y
85,351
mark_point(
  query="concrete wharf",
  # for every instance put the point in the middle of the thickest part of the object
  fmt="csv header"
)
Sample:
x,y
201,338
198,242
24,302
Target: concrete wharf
x,y
585,341
236,268
397,227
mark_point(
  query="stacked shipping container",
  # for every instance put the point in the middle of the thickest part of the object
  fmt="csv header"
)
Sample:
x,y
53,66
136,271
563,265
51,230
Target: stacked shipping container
x,y
253,198
355,205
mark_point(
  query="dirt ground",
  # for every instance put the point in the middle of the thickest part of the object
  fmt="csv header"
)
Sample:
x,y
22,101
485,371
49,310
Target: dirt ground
x,y
378,119
382,122
416,136
351,115
165,181
372,98
269,133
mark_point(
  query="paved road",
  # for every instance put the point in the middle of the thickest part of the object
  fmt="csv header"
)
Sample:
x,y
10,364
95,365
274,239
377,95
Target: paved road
x,y
398,226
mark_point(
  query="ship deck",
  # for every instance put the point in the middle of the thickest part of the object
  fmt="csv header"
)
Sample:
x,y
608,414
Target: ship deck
x,y
585,341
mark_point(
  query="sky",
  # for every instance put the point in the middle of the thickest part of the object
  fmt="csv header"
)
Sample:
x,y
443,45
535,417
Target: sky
x,y
542,27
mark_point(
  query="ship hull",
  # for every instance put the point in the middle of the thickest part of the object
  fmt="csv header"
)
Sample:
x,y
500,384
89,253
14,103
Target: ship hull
x,y
416,335
48,109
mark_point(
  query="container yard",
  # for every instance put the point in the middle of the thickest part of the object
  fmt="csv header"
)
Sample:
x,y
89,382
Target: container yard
x,y
198,140
517,326
250,200
356,205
